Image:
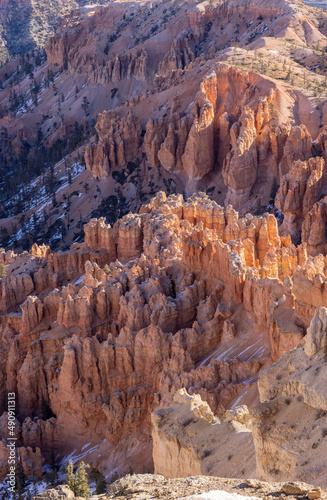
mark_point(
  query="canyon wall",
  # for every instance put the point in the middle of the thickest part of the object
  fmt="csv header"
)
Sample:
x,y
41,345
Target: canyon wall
x,y
111,329
275,444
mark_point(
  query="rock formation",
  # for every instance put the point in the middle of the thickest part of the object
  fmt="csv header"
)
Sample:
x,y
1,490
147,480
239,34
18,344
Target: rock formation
x,y
188,440
147,486
313,231
196,291
118,324
294,385
240,167
119,141
299,190
287,447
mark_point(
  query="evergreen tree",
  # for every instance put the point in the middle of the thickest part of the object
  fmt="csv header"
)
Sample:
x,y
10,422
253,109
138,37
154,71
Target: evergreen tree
x,y
85,105
21,480
5,495
35,490
70,477
101,485
99,479
53,461
114,477
82,487
52,477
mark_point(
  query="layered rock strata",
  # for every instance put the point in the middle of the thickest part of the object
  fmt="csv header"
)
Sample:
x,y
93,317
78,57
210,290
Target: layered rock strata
x,y
287,447
111,329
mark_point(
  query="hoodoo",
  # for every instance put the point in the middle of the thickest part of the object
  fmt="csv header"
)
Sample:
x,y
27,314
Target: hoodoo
x,y
163,267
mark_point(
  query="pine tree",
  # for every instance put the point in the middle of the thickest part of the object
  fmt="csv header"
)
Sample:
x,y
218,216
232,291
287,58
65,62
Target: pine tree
x,y
21,480
82,487
53,461
35,489
101,485
28,496
114,477
70,477
85,105
98,477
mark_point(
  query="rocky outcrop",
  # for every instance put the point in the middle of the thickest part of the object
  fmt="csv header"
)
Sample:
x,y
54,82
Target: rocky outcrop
x,y
124,240
316,339
298,146
142,309
61,492
240,166
32,312
131,65
256,145
147,486
119,141
59,45
186,293
7,257
299,190
170,152
183,144
40,251
31,461
184,438
100,235
179,55
294,385
313,231
14,289
76,310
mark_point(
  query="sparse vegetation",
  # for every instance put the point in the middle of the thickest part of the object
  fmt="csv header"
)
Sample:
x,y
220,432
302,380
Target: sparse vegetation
x,y
107,269
3,270
77,481
100,481
206,453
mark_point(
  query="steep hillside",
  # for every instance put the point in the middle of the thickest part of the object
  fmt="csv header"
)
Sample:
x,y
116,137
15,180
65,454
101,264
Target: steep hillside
x,y
27,24
180,97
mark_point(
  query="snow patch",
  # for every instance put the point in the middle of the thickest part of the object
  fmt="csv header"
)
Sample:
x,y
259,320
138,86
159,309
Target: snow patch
x,y
77,282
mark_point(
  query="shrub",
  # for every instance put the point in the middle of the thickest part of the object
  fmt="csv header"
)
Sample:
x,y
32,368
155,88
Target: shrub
x,y
107,269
